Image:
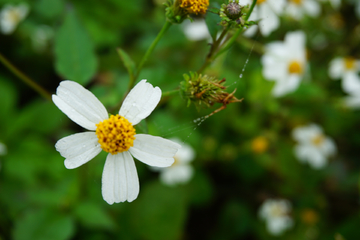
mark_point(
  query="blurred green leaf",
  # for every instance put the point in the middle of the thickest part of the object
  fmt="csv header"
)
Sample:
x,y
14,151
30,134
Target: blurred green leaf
x,y
128,62
49,8
75,56
235,220
159,212
8,99
92,215
212,21
43,225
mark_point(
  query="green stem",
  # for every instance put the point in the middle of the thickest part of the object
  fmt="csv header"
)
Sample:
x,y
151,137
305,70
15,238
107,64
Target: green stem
x,y
148,53
237,33
168,93
25,78
213,49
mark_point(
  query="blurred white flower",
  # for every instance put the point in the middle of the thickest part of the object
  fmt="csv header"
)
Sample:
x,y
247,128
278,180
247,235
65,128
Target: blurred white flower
x,y
196,30
115,135
11,15
267,11
313,146
347,69
3,149
180,171
285,63
41,37
298,8
276,212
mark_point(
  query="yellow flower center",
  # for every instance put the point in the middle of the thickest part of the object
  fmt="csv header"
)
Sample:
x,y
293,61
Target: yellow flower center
x,y
309,216
318,140
115,134
260,2
259,144
176,162
298,2
14,16
195,6
349,63
295,67
277,211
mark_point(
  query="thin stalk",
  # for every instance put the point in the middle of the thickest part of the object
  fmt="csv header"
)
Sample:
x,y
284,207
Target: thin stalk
x,y
168,93
213,49
148,53
25,78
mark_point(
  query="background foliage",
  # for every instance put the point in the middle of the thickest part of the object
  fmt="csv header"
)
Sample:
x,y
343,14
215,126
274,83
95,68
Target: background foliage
x,y
40,199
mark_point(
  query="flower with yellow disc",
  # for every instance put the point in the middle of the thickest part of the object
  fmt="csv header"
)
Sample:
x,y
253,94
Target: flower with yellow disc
x,y
115,135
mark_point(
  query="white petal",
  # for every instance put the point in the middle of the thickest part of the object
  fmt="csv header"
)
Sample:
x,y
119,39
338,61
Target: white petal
x,y
351,83
78,148
328,148
312,7
274,68
75,144
176,174
196,30
286,85
270,20
336,68
306,133
277,5
251,31
120,181
277,225
154,151
140,102
294,11
295,41
186,152
79,104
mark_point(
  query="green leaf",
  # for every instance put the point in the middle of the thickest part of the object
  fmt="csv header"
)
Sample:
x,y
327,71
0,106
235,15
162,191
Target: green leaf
x,y
49,8
75,56
159,212
93,216
212,21
43,225
128,62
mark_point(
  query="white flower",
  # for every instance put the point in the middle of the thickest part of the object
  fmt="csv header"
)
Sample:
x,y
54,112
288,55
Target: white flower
x,y
347,69
285,62
196,30
115,135
11,15
267,11
180,171
298,8
275,212
313,146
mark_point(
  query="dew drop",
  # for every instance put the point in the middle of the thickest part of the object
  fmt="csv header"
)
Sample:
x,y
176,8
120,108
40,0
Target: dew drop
x,y
241,75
